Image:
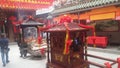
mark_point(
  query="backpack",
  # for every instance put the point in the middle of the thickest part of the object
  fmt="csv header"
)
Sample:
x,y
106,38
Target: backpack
x,y
4,43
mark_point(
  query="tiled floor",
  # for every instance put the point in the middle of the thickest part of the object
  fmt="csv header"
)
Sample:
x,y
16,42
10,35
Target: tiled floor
x,y
17,62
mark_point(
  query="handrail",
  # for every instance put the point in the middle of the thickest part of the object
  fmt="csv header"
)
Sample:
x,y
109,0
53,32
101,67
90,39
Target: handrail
x,y
101,58
95,64
106,64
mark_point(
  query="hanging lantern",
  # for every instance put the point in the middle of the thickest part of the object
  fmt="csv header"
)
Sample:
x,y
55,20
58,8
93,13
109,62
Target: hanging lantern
x,y
12,18
65,18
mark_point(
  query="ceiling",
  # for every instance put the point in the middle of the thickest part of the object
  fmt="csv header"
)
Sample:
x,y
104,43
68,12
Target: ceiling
x,y
21,7
25,4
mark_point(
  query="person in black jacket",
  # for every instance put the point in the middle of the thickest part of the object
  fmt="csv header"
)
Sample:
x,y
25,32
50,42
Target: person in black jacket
x,y
4,49
23,48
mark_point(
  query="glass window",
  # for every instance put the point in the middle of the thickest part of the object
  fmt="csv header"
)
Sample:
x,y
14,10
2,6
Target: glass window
x,y
30,32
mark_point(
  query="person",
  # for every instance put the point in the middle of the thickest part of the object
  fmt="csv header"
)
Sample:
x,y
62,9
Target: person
x,y
4,49
23,49
20,47
76,43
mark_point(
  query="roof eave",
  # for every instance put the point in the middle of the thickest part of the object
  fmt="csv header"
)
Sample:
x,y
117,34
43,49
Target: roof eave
x,y
82,9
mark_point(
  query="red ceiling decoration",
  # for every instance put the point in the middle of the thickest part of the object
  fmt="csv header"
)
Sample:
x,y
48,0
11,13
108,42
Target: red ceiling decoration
x,y
26,4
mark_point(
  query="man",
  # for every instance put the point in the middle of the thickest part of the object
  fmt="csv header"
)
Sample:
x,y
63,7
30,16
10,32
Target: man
x,y
4,49
23,48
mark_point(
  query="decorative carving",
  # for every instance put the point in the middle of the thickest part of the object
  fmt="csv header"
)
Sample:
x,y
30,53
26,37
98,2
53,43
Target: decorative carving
x,y
59,57
76,56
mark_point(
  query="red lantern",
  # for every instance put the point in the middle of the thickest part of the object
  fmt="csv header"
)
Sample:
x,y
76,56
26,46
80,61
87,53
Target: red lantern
x,y
65,18
12,18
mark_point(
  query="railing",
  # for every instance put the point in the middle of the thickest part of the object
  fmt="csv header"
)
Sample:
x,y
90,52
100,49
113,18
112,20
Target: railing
x,y
106,64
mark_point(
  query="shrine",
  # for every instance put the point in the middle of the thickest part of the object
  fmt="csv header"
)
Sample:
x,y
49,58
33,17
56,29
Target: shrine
x,y
31,34
66,46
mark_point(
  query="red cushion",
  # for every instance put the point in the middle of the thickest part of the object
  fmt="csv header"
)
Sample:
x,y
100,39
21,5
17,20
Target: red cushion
x,y
100,41
90,40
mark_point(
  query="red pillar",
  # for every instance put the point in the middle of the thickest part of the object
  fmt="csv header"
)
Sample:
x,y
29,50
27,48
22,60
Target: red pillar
x,y
118,60
107,65
39,37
